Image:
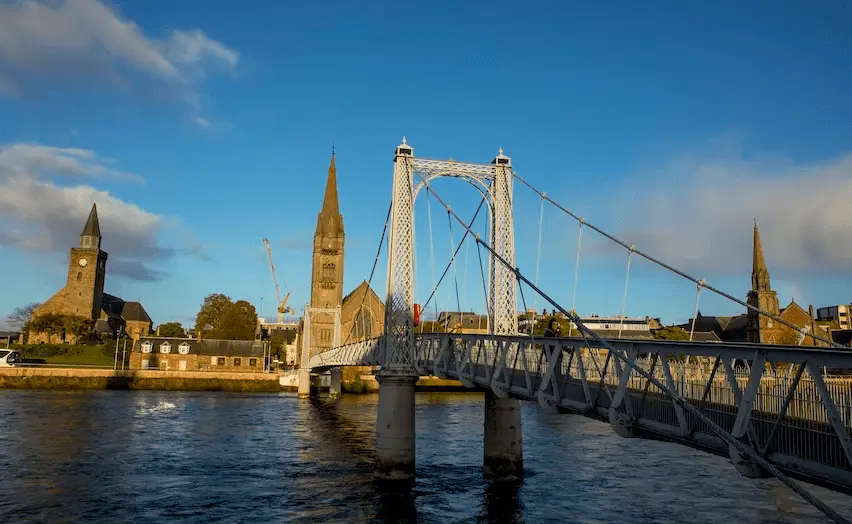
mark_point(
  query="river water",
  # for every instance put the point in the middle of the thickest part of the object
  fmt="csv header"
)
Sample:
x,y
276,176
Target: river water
x,y
133,456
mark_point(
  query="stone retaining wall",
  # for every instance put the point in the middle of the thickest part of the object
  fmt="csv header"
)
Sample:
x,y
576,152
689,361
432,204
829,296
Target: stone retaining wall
x,y
82,378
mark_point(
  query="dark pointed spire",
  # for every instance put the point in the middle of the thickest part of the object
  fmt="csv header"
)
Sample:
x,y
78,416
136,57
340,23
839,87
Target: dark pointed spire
x,y
329,222
759,273
91,235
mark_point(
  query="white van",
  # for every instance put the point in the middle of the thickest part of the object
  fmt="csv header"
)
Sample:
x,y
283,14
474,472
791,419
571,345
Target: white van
x,y
9,358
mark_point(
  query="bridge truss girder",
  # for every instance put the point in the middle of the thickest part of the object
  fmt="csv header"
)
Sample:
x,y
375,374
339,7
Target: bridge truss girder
x,y
759,408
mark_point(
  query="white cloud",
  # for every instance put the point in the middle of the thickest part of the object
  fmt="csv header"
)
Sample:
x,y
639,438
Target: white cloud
x,y
201,122
697,213
47,42
44,216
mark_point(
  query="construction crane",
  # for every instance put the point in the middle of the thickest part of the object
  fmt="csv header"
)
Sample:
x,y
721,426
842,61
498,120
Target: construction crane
x,y
282,303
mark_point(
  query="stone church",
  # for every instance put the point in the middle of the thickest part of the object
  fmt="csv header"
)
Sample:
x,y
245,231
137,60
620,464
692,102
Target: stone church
x,y
757,328
362,312
83,295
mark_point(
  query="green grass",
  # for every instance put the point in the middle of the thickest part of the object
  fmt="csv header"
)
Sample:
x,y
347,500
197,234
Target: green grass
x,y
71,355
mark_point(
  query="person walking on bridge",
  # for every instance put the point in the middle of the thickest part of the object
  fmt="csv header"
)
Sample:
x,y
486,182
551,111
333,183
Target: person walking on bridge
x,y
553,329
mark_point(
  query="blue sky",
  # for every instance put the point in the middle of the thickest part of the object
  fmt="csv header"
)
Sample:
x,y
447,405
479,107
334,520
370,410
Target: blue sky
x,y
201,131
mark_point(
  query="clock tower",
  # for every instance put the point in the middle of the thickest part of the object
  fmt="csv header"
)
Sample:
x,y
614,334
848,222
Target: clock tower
x,y
84,290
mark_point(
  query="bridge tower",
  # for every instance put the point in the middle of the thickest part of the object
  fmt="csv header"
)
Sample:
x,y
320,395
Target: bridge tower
x,y
395,426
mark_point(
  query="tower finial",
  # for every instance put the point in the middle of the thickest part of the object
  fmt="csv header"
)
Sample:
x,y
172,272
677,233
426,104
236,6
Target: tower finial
x,y
332,148
500,150
403,139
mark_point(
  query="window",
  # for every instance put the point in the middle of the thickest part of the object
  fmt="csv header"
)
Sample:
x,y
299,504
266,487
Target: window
x,y
165,348
220,361
238,361
325,335
79,276
146,347
183,349
252,362
328,271
212,361
363,326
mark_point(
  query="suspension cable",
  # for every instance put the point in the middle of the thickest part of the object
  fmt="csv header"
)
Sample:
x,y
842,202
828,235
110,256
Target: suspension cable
x,y
624,296
668,267
538,251
431,246
695,311
673,395
453,262
576,271
373,270
446,269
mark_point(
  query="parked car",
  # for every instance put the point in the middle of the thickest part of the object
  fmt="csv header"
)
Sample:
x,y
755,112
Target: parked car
x,y
9,358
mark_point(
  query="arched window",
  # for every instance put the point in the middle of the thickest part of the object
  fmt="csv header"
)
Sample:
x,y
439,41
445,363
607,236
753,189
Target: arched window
x,y
328,271
146,347
183,349
363,325
165,348
79,276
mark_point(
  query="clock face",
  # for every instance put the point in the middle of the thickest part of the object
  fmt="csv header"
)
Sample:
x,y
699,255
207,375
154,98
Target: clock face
x,y
83,262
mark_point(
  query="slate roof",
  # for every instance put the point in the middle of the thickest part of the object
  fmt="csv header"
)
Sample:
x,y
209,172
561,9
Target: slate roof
x,y
728,329
92,227
842,336
118,309
134,311
205,347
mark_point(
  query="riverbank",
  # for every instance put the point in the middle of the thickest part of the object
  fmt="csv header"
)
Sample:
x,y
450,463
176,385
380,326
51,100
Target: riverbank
x,y
143,379
79,378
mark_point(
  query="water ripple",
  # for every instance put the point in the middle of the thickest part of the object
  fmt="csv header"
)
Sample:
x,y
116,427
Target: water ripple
x,y
193,457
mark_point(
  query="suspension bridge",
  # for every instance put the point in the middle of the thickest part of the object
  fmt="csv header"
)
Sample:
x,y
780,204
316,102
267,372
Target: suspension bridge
x,y
772,409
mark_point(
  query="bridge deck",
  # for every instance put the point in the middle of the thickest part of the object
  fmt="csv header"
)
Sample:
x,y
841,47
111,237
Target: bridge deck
x,y
795,418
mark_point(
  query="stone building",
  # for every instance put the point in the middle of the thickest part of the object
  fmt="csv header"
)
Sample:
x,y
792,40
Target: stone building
x,y
186,354
362,312
83,295
757,328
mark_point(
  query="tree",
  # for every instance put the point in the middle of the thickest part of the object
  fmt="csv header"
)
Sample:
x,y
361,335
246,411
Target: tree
x,y
21,316
671,333
238,323
212,310
171,329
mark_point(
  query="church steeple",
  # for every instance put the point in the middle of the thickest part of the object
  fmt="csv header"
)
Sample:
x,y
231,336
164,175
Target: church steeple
x,y
329,221
759,273
91,235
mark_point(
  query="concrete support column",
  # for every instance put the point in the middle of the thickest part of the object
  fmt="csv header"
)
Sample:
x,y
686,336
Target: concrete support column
x,y
395,427
503,449
304,383
335,387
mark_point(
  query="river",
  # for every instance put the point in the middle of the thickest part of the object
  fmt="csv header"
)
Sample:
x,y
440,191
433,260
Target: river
x,y
199,457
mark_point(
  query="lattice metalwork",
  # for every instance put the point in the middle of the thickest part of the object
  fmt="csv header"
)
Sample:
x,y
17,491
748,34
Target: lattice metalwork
x,y
503,301
399,306
410,175
775,401
306,331
363,353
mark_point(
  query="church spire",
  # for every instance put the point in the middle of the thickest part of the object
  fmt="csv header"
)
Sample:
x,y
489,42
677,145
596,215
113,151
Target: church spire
x,y
759,273
329,222
91,235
